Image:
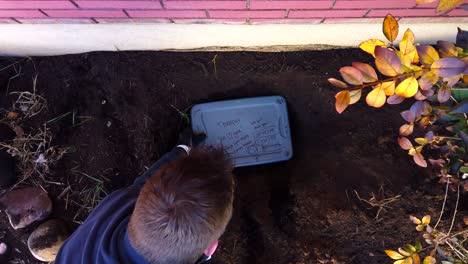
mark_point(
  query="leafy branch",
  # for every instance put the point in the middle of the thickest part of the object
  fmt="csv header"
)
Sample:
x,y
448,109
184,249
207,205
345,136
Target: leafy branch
x,y
437,79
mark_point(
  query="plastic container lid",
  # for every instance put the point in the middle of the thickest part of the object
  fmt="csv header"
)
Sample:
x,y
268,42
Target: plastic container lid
x,y
252,130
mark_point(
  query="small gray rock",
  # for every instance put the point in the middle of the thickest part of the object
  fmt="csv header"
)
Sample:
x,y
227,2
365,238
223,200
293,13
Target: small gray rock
x,y
24,206
45,242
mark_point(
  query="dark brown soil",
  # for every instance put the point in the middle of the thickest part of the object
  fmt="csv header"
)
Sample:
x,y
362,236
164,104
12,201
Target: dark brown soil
x,y
301,211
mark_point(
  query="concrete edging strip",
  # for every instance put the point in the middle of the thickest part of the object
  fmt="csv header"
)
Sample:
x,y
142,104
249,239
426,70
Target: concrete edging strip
x,y
57,39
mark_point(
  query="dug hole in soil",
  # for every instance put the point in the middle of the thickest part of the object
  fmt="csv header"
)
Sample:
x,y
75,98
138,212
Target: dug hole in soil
x,y
301,211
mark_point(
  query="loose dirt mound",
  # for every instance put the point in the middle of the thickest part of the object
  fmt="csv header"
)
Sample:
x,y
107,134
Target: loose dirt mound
x,y
302,211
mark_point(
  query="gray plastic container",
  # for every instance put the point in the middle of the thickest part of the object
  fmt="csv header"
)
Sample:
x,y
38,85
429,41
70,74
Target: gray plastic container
x,y
252,130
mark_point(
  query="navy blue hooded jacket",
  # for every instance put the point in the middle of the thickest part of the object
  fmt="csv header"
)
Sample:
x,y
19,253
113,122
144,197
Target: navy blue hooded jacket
x,y
103,237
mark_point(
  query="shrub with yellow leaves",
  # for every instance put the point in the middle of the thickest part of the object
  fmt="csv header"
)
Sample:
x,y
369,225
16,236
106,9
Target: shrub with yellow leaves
x,y
449,248
436,77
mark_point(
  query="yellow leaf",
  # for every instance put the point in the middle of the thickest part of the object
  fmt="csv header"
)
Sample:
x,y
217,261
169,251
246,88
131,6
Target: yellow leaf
x,y
417,71
407,44
412,151
355,95
420,228
420,141
410,248
388,87
415,220
404,252
415,56
407,88
404,261
406,60
429,260
446,5
426,220
393,254
376,98
342,101
416,258
369,45
390,27
427,54
406,130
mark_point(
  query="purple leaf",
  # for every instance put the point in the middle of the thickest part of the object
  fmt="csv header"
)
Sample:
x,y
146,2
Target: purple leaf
x,y
448,67
351,75
429,136
387,62
395,99
444,93
408,116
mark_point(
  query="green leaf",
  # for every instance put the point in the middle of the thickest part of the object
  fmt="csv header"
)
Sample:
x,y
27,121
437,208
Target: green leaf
x,y
464,169
463,136
460,94
418,246
390,27
351,75
447,120
461,108
387,61
448,67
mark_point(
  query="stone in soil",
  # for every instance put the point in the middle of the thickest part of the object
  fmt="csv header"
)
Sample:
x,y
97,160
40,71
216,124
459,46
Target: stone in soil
x,y
3,252
45,242
23,206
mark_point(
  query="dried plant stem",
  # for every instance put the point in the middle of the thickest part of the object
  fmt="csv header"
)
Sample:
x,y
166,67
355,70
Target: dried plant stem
x,y
362,86
455,211
443,205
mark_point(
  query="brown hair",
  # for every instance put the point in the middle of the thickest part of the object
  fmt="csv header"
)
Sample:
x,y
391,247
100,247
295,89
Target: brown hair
x,y
183,208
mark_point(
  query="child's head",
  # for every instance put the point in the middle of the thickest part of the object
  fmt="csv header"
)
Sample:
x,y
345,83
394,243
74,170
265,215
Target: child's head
x,y
183,208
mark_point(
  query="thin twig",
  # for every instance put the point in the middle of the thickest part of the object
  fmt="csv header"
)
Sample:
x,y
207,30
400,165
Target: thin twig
x,y
443,205
455,212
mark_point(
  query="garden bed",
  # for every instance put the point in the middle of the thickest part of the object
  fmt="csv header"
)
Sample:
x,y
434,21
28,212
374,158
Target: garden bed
x,y
120,111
